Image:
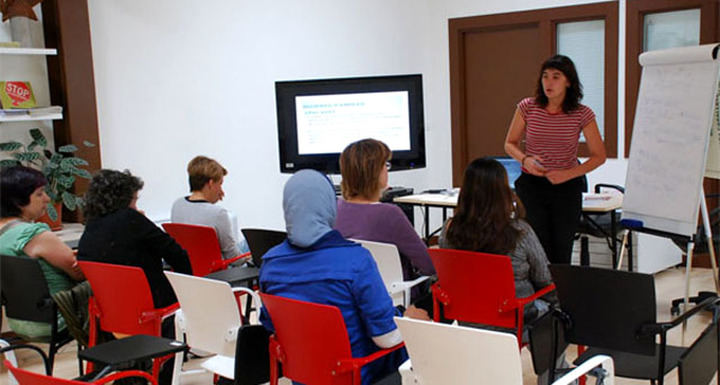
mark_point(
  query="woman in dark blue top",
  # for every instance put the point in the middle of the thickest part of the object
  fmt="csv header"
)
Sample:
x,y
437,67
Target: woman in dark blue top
x,y
316,264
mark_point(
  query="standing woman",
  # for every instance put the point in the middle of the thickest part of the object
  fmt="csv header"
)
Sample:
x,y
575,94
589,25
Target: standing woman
x,y
552,182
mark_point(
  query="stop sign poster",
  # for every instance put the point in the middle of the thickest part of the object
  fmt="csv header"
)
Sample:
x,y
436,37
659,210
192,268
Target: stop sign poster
x,y
16,95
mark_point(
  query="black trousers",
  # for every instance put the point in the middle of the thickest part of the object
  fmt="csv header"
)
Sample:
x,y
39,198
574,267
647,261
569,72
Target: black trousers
x,y
553,211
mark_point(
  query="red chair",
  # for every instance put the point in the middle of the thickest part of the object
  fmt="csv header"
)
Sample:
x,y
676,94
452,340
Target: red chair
x,y
202,246
312,343
479,288
24,377
122,303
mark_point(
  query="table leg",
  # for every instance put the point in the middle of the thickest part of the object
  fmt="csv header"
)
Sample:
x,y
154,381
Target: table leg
x,y
584,251
613,234
630,251
427,224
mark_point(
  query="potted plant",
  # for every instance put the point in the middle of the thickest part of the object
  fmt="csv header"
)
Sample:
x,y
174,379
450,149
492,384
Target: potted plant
x,y
60,168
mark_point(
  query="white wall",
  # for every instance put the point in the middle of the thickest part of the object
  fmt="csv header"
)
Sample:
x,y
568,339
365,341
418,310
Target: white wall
x,y
174,81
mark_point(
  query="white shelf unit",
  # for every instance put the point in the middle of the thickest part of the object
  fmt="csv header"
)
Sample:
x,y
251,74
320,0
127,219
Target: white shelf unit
x,y
29,118
27,51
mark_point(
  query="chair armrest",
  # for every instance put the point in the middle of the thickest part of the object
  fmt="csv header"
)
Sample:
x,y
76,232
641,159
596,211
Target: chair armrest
x,y
399,286
39,351
660,327
347,365
224,263
606,185
525,300
161,313
439,294
126,374
253,294
605,362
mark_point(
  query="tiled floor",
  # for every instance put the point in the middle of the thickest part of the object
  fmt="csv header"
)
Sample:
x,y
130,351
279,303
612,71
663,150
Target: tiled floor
x,y
669,285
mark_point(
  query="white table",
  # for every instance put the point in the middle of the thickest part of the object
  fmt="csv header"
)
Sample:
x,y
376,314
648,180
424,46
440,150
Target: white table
x,y
71,233
593,204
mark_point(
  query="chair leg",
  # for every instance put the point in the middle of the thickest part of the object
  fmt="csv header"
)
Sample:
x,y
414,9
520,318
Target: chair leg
x,y
80,364
51,356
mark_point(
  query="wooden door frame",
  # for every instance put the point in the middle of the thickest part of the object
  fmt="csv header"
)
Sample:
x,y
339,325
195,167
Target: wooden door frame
x,y
66,25
636,11
546,21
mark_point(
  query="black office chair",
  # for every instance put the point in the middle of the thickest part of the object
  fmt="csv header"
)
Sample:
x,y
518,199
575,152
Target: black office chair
x,y
260,241
26,295
613,313
700,361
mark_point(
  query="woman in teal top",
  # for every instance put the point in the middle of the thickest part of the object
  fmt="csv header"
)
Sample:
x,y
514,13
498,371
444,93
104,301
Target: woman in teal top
x,y
22,201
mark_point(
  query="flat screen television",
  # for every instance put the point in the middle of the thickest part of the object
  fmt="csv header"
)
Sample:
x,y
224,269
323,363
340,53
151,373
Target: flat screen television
x,y
317,119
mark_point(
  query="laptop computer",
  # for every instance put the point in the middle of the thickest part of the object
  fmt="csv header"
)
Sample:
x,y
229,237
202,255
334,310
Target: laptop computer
x,y
512,167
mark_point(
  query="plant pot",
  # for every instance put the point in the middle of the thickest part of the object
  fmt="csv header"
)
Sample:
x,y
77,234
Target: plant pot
x,y
56,224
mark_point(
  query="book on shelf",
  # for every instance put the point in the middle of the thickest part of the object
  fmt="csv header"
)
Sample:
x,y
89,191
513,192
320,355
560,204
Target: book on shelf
x,y
16,94
9,44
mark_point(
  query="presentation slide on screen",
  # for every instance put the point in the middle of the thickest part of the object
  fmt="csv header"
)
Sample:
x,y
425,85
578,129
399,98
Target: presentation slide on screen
x,y
328,123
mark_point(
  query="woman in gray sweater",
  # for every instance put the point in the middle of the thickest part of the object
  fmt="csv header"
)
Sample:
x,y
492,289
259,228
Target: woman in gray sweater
x,y
488,219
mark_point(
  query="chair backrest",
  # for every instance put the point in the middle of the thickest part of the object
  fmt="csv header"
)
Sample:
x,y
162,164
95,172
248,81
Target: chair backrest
x,y
387,257
122,294
210,313
455,355
201,244
699,363
25,290
477,284
606,307
260,241
313,338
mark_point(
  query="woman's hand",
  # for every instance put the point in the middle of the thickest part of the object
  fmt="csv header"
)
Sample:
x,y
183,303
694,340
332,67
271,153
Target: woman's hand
x,y
416,313
559,176
533,165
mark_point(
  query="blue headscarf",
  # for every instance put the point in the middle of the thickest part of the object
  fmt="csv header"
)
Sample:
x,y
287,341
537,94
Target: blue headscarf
x,y
310,207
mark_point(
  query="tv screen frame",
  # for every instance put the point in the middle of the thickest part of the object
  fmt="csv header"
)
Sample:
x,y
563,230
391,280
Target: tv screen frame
x,y
286,91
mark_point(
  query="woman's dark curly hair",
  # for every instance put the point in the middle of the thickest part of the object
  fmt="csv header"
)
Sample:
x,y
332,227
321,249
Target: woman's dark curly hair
x,y
574,93
17,183
110,191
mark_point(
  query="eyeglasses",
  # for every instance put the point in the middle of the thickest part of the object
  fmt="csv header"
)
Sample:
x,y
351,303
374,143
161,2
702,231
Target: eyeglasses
x,y
388,165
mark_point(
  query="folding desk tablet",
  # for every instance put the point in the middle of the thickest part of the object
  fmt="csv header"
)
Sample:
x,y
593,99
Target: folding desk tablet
x,y
125,352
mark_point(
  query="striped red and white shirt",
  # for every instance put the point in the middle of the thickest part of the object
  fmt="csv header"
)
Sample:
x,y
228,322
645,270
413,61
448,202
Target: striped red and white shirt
x,y
553,137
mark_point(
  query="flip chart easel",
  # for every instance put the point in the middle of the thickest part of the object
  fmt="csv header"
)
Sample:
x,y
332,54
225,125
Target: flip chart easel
x,y
675,111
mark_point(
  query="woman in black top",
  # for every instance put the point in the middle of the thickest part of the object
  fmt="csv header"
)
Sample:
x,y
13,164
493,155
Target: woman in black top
x,y
117,232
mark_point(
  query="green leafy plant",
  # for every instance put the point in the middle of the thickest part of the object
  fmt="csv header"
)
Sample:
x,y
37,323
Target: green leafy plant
x,y
60,168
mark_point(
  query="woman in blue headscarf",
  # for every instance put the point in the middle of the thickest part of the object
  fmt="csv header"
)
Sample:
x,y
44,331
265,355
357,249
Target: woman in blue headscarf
x,y
316,264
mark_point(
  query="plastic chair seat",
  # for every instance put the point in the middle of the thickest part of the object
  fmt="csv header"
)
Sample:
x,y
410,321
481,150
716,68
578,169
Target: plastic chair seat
x,y
311,343
387,258
202,246
479,288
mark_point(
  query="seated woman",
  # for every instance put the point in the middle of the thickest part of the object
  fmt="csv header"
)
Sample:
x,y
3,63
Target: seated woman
x,y
117,232
206,178
364,166
317,264
489,219
22,201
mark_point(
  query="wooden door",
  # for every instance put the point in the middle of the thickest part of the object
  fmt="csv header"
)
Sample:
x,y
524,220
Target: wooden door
x,y
495,62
